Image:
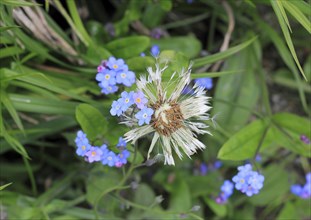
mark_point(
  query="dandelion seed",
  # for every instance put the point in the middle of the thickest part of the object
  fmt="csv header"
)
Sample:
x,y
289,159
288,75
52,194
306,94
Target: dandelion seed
x,y
177,119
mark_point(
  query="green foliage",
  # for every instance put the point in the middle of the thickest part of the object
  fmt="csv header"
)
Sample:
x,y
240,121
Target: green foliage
x,y
261,72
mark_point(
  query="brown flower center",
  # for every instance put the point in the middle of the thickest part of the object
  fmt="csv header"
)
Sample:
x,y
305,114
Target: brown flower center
x,y
167,118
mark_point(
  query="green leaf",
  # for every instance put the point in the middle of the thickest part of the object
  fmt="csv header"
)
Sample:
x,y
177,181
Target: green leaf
x,y
10,51
188,45
287,212
144,195
9,106
180,197
286,56
219,209
2,29
222,55
296,13
98,183
275,187
140,64
18,3
244,143
77,21
286,33
289,129
4,186
245,91
91,120
129,46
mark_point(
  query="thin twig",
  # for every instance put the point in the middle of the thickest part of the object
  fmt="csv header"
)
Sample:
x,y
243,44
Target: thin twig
x,y
225,43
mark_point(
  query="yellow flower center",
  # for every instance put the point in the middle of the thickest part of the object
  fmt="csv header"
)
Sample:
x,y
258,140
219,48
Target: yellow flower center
x,y
127,100
138,100
107,76
123,75
83,147
93,153
115,66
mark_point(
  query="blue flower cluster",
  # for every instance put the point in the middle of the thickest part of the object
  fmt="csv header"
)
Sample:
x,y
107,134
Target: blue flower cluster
x,y
112,72
226,191
102,154
248,181
303,192
133,98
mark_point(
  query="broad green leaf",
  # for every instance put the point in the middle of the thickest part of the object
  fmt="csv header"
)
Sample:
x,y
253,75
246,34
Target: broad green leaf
x,y
140,64
287,212
4,186
219,209
275,186
188,45
203,185
222,55
295,123
244,143
144,195
153,15
240,89
286,33
139,158
288,129
180,197
91,120
128,47
99,183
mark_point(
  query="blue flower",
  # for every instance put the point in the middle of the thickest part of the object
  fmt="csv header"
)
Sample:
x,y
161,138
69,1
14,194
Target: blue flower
x,y
116,108
144,116
155,50
248,181
126,100
227,188
109,159
226,192
121,143
106,78
140,99
296,189
94,154
122,156
206,83
82,143
109,89
217,164
116,64
303,192
104,149
142,54
203,169
126,77
187,90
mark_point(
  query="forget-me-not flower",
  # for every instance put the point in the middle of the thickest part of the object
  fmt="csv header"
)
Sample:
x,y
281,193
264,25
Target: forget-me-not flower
x,y
140,99
144,116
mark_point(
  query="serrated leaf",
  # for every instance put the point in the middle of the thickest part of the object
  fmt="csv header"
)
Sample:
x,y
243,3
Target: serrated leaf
x,y
91,120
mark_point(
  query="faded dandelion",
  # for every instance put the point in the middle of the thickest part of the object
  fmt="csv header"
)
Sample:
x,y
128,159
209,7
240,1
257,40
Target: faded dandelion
x,y
177,118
